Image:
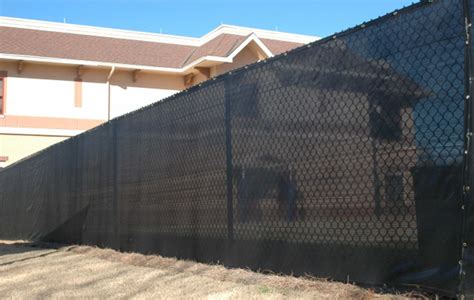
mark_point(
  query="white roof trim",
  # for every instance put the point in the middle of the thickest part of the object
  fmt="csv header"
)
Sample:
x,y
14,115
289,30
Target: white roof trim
x,y
251,38
98,31
153,37
99,64
261,33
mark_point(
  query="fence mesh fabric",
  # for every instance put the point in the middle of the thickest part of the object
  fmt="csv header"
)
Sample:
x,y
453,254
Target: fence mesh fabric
x,y
343,159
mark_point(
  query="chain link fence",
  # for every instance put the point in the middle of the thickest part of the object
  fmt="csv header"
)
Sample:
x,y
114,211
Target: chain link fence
x,y
345,158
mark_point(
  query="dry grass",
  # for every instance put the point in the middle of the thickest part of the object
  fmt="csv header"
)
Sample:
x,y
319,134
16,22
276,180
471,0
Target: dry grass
x,y
130,275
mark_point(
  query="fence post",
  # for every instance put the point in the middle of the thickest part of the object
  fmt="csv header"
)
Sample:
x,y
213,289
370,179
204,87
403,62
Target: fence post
x,y
229,165
468,163
116,206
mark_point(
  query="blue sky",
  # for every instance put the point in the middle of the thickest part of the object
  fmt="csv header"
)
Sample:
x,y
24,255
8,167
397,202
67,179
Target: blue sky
x,y
195,18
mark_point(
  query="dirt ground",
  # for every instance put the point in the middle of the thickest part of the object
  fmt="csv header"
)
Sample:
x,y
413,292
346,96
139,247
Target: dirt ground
x,y
28,271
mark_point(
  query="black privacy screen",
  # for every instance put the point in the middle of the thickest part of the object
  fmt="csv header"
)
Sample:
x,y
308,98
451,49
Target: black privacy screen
x,y
348,158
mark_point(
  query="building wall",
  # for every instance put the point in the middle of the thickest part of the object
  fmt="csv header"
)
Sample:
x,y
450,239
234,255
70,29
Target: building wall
x,y
17,147
48,91
45,104
247,56
127,95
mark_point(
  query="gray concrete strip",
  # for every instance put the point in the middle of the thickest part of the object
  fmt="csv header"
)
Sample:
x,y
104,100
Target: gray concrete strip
x,y
11,254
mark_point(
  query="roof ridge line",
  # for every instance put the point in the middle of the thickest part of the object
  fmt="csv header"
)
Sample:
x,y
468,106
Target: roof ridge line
x,y
188,57
149,36
237,44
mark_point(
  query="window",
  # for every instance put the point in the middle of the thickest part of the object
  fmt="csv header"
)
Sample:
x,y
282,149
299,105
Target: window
x,y
385,122
2,95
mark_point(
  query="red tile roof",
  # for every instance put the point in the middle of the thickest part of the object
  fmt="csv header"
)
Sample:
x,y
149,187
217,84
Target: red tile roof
x,y
64,45
222,46
278,47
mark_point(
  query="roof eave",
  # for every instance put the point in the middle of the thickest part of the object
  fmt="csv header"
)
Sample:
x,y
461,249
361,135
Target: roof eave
x,y
208,60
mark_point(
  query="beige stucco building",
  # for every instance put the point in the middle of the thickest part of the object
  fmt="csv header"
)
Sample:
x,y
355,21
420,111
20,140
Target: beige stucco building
x,y
58,80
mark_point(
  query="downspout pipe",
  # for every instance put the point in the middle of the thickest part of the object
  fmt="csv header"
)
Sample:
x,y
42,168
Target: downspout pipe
x,y
109,77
